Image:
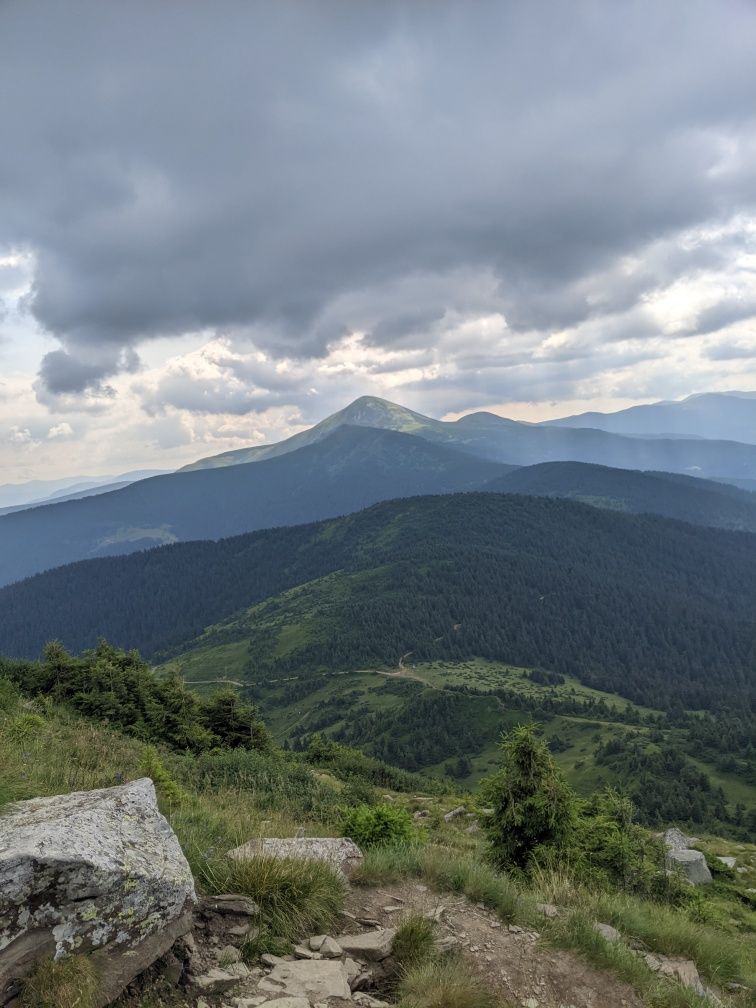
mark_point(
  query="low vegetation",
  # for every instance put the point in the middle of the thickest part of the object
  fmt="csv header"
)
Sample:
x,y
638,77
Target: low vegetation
x,y
587,857
71,982
444,983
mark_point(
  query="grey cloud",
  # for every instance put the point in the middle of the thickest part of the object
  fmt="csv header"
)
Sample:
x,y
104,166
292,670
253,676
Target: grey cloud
x,y
312,169
724,313
63,373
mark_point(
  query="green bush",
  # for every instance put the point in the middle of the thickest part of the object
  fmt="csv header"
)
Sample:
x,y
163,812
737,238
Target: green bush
x,y
534,809
379,826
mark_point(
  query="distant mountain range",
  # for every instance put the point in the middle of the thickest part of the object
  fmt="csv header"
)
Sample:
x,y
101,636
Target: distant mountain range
x,y
350,469
16,496
721,416
611,598
492,437
369,452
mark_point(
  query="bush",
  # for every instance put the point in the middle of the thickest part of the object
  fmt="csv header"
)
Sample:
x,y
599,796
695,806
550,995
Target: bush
x,y
534,809
71,982
378,826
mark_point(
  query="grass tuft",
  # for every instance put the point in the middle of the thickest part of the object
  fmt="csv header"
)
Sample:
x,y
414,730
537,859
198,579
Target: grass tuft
x,y
443,983
71,982
295,897
413,942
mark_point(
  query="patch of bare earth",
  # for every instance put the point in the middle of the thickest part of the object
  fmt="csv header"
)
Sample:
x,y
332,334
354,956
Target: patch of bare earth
x,y
514,962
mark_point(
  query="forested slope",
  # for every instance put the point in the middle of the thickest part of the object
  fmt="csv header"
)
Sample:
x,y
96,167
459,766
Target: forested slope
x,y
658,611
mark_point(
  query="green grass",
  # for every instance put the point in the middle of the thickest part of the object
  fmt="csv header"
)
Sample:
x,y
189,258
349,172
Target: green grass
x,y
449,870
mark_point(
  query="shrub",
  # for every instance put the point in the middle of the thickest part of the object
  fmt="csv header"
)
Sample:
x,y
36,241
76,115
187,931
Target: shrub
x,y
295,897
534,809
71,982
152,766
378,826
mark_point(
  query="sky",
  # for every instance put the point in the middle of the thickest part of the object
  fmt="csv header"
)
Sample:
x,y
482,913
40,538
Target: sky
x,y
220,222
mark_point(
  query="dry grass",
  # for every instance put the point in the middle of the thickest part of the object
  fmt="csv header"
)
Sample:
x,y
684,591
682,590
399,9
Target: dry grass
x,y
70,982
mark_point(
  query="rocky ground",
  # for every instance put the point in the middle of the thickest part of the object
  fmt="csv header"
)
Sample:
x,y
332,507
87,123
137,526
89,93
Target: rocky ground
x,y
354,967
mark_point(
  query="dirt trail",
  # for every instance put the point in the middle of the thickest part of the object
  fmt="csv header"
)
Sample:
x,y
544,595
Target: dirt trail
x,y
515,964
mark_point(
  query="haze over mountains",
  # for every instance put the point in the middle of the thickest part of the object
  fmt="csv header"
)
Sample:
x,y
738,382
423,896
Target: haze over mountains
x,y
725,416
372,451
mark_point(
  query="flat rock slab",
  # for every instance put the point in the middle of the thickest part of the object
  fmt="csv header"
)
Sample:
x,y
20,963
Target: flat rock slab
x,y
92,871
317,980
372,946
341,853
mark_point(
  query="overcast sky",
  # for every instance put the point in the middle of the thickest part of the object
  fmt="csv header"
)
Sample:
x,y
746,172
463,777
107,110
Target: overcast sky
x,y
221,221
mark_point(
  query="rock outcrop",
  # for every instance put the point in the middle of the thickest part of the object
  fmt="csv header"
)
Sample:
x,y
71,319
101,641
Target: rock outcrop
x,y
341,853
97,872
681,857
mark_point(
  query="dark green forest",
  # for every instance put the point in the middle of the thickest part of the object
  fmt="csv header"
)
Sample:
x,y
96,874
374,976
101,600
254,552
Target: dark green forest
x,y
658,611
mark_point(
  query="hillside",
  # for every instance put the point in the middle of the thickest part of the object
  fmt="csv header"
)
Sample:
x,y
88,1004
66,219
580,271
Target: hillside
x,y
609,597
702,502
726,416
351,469
489,436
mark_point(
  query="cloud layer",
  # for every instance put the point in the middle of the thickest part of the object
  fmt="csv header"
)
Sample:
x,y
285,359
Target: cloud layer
x,y
467,204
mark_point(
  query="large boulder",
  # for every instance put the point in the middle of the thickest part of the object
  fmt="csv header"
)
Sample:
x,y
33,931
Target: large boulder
x,y
341,853
97,872
691,863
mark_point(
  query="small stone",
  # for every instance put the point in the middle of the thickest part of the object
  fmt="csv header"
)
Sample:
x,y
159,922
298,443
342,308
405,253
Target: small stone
x,y
515,929
229,954
330,949
271,960
607,932
729,862
303,952
216,980
454,813
547,909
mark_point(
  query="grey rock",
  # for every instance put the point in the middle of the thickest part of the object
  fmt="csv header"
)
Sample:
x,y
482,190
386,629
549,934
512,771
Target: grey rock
x,y
229,903
683,970
286,1002
728,861
675,839
607,932
455,813
318,980
215,981
341,853
372,946
330,949
548,910
691,863
97,872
